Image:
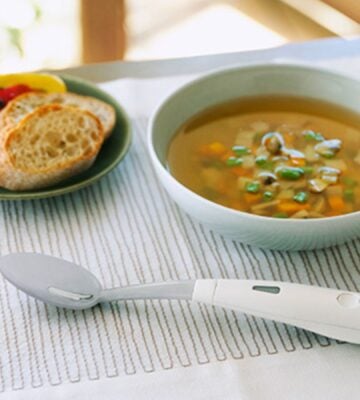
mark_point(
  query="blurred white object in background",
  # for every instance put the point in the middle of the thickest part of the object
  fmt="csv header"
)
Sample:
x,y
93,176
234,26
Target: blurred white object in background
x,y
218,28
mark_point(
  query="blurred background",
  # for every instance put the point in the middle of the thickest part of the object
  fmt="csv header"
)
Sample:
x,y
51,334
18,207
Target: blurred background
x,y
36,34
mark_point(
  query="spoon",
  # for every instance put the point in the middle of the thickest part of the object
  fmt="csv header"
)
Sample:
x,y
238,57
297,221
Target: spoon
x,y
330,312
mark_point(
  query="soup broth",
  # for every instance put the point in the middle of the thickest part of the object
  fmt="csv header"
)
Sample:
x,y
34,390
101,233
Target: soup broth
x,y
283,157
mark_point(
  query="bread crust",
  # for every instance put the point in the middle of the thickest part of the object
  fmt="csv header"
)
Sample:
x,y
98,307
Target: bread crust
x,y
22,105
17,177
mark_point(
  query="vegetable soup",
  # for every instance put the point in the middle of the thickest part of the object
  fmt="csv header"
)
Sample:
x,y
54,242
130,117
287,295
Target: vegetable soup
x,y
283,157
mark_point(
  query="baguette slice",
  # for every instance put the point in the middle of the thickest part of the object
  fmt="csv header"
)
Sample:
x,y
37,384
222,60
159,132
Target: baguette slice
x,y
49,145
18,108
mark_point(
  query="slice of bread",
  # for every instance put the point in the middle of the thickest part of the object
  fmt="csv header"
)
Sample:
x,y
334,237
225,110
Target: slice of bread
x,y
50,144
18,108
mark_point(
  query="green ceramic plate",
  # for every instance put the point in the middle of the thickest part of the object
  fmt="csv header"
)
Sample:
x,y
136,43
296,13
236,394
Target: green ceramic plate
x,y
111,153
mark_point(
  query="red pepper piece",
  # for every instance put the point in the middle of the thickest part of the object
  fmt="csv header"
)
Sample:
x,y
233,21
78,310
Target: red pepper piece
x,y
11,92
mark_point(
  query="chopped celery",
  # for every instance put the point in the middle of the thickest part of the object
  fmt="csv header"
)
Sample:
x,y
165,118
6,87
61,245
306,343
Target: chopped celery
x,y
253,187
301,197
268,196
234,162
240,150
311,135
263,162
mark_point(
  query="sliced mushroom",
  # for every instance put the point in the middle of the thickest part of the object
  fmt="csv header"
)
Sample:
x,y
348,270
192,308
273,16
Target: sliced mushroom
x,y
292,153
329,171
317,185
296,156
328,148
280,159
273,142
267,178
329,174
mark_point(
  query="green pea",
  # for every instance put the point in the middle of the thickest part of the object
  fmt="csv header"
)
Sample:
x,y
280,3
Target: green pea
x,y
253,187
281,215
307,170
267,196
263,162
311,135
290,173
240,150
349,182
234,162
301,197
349,195
328,154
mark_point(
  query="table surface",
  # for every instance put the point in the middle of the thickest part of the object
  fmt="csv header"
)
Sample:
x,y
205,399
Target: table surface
x,y
164,349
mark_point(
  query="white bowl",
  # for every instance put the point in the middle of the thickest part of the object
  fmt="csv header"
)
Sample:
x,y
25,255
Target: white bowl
x,y
221,86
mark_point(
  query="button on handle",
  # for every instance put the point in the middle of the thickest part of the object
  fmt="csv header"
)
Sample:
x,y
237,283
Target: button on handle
x,y
348,300
329,312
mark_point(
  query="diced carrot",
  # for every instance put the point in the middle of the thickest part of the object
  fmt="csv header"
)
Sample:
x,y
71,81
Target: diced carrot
x,y
252,198
215,149
292,206
239,171
336,203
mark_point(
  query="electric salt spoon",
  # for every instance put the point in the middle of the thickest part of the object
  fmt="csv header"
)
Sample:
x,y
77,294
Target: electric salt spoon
x,y
329,312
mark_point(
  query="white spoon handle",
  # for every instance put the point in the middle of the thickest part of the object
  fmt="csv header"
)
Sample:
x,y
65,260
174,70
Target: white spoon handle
x,y
330,312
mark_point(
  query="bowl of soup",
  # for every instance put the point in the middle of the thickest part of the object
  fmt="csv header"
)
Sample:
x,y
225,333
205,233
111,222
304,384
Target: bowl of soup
x,y
267,154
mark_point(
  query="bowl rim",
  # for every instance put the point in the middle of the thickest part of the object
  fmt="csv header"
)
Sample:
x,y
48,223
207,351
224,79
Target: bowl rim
x,y
213,74
48,192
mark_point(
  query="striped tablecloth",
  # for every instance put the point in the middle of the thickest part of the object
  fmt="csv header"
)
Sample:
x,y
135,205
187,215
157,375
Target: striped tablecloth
x,y
126,230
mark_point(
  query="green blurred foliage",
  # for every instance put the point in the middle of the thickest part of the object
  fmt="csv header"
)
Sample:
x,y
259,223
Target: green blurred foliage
x,y
15,35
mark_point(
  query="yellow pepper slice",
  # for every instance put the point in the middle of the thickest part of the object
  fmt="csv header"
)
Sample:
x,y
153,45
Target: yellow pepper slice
x,y
47,82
